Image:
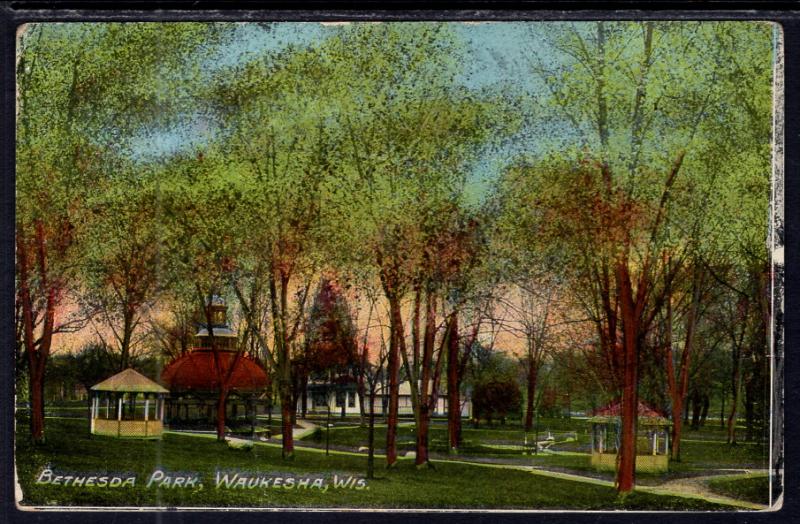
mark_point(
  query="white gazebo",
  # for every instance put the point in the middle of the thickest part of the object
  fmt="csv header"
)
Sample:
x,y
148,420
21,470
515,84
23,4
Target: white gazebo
x,y
127,405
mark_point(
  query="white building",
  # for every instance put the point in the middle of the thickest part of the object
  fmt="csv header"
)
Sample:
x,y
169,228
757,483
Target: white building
x,y
322,396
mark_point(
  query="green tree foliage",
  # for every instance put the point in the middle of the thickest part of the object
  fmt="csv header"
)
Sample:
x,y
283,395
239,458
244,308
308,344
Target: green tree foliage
x,y
120,268
638,203
627,204
84,92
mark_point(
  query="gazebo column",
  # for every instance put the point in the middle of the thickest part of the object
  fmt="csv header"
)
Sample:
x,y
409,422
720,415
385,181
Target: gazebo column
x,y
108,405
119,413
253,413
146,408
600,439
93,413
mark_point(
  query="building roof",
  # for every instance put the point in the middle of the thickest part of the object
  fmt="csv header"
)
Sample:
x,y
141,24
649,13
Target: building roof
x,y
404,389
196,371
129,380
646,414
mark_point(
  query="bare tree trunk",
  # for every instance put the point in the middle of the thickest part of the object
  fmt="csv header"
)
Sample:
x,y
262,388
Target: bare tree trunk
x,y
286,423
371,438
678,387
38,351
696,407
533,371
736,386
627,453
221,413
125,345
704,409
278,303
36,388
453,385
304,398
422,435
424,404
360,388
395,342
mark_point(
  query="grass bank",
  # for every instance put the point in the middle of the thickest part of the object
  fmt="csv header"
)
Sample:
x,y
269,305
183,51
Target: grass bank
x,y
70,450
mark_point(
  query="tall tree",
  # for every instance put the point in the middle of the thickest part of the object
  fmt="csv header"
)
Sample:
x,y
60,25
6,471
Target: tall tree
x,y
84,92
648,138
410,135
199,201
275,110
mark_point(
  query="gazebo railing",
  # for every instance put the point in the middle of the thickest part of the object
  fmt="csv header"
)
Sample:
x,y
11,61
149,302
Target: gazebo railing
x,y
128,428
652,447
125,415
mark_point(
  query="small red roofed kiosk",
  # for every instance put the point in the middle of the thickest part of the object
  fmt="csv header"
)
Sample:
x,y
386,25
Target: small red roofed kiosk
x,y
652,441
118,411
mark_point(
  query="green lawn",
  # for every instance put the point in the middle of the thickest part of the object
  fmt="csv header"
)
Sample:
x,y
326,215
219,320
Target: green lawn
x,y
752,489
474,440
68,449
696,455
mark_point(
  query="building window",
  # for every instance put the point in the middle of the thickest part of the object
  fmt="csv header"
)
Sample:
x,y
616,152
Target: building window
x,y
351,401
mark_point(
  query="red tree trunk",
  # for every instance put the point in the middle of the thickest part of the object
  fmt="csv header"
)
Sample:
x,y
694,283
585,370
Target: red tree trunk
x,y
287,410
453,385
679,389
38,351
221,414
422,434
423,421
395,340
533,371
37,402
630,326
371,438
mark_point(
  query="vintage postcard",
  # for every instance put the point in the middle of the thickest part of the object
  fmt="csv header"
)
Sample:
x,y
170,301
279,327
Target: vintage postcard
x,y
438,266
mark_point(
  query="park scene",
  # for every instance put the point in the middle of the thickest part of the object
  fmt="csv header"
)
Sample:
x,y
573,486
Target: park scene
x,y
418,265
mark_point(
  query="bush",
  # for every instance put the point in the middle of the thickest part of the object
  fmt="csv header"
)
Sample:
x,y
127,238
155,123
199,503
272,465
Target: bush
x,y
496,398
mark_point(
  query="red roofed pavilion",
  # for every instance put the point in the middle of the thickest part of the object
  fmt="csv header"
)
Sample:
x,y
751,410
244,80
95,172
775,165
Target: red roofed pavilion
x,y
652,439
195,378
615,408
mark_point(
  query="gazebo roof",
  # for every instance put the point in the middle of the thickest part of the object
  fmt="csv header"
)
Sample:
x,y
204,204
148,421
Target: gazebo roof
x,y
647,415
129,380
197,371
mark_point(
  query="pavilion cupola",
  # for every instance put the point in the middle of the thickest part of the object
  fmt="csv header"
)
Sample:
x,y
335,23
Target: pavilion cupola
x,y
225,337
